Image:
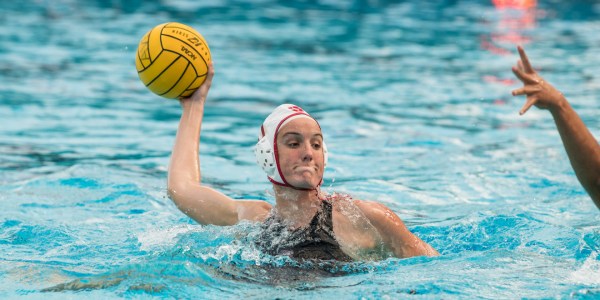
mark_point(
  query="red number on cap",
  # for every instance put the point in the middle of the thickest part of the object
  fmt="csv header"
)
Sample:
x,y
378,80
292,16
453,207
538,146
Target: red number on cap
x,y
296,108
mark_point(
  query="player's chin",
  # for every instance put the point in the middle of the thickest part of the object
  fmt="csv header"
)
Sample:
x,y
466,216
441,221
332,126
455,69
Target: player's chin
x,y
306,183
308,186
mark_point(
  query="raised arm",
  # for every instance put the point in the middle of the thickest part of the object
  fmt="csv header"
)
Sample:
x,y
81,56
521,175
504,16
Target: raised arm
x,y
203,204
581,146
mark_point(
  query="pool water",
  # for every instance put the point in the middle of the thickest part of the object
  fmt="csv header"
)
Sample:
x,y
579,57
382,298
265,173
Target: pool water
x,y
414,101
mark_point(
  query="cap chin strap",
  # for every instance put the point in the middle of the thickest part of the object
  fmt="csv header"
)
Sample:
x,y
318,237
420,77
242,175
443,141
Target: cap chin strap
x,y
265,157
293,187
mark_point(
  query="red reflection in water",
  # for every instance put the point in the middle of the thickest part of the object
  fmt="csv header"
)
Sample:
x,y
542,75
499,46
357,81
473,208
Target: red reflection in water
x,y
515,17
515,3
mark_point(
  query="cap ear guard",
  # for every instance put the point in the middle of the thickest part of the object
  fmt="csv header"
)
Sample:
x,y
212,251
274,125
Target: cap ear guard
x,y
265,156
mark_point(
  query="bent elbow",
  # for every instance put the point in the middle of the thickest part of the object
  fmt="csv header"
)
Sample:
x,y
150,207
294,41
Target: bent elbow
x,y
202,204
178,184
177,191
173,190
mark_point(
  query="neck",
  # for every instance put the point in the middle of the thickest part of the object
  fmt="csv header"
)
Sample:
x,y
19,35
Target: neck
x,y
296,206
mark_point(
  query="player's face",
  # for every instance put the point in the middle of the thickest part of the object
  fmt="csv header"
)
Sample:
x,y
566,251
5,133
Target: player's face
x,y
300,153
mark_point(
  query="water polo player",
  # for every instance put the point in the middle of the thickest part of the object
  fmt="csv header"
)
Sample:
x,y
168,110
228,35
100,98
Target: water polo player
x,y
305,223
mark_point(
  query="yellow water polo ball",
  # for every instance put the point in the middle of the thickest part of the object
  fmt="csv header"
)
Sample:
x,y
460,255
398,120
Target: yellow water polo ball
x,y
172,60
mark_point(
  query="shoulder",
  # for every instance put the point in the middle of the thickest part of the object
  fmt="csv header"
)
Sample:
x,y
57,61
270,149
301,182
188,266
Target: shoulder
x,y
372,208
364,205
379,215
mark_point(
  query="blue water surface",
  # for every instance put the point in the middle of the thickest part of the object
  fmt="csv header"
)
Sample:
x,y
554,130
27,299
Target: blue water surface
x,y
414,101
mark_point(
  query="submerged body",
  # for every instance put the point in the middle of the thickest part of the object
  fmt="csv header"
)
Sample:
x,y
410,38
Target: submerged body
x,y
361,229
315,241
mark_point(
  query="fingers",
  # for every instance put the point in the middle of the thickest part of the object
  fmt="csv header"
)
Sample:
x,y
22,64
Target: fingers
x,y
209,75
530,102
524,71
202,91
520,66
211,71
526,65
518,92
524,77
526,90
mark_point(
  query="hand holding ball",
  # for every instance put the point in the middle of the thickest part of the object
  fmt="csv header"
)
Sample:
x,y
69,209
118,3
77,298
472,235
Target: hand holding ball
x,y
172,60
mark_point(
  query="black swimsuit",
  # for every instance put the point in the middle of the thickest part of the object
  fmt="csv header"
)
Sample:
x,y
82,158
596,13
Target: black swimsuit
x,y
316,241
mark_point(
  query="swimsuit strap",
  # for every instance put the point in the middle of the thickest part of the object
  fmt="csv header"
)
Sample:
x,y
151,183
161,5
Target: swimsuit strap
x,y
320,242
322,223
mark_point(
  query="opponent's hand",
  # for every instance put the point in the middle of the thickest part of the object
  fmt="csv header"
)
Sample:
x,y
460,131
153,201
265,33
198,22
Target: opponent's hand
x,y
202,92
539,93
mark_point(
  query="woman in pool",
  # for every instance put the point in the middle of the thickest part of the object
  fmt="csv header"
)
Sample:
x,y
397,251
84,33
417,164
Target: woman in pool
x,y
581,146
305,223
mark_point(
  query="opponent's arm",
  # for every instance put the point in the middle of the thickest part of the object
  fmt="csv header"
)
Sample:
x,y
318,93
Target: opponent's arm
x,y
395,235
203,204
581,146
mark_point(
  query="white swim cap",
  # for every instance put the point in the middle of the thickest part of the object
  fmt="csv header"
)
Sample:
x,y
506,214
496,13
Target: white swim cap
x,y
266,148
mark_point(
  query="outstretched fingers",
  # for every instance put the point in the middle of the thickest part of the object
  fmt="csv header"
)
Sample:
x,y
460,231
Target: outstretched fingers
x,y
518,92
531,97
530,102
532,82
524,77
520,66
526,90
526,64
